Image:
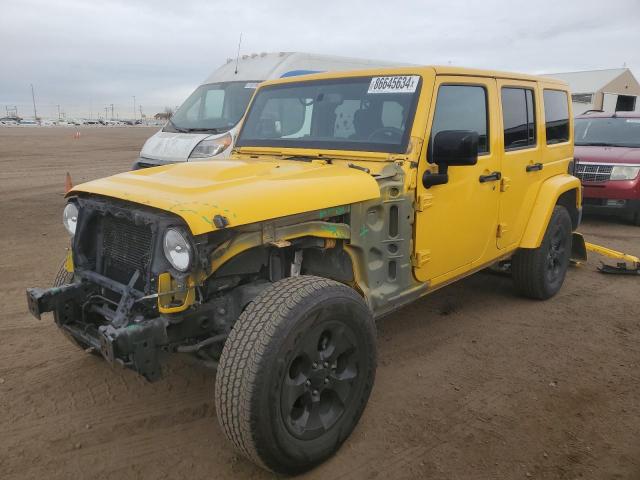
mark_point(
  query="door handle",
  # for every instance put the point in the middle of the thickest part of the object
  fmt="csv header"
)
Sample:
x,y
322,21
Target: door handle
x,y
492,177
534,167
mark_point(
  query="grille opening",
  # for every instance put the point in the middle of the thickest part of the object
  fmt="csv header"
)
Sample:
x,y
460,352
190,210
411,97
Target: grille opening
x,y
126,247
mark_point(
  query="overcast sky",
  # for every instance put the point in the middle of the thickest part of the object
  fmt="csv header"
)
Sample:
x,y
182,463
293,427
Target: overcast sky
x,y
84,55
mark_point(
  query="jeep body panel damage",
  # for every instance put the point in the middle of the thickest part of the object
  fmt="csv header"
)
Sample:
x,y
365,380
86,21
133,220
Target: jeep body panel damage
x,y
242,191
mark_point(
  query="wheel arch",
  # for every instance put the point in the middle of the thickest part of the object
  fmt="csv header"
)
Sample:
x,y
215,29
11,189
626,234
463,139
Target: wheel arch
x,y
562,190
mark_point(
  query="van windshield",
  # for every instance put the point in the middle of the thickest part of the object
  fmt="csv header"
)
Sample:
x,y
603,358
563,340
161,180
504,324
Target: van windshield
x,y
607,132
214,108
363,113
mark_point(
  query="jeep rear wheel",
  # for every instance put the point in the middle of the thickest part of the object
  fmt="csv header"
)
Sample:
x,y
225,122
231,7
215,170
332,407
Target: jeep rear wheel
x,y
539,272
296,372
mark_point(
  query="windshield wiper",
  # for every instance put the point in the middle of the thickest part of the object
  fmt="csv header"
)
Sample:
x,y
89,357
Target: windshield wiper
x,y
211,130
178,129
306,158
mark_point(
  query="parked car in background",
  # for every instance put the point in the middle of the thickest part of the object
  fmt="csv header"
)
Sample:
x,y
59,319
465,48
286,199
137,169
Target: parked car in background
x,y
607,156
207,123
29,123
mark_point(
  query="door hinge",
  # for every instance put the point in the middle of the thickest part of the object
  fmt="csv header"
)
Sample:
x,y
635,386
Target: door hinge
x,y
502,229
421,257
424,201
505,183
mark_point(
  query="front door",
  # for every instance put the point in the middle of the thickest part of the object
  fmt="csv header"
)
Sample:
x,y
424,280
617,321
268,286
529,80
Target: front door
x,y
456,222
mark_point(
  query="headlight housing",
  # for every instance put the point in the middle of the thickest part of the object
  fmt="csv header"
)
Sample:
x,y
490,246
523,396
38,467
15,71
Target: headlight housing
x,y
624,172
70,218
177,249
211,147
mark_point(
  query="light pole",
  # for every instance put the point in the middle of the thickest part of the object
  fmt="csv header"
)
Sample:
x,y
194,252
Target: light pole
x,y
33,97
134,108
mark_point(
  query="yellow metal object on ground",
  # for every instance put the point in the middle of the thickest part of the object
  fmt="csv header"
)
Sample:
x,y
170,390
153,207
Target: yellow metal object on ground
x,y
607,252
68,262
242,191
622,267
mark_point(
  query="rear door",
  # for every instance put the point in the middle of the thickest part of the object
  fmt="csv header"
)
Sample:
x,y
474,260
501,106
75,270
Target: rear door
x,y
522,167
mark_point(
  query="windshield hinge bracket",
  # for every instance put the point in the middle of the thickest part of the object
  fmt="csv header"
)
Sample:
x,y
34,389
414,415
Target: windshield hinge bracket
x,y
424,201
421,257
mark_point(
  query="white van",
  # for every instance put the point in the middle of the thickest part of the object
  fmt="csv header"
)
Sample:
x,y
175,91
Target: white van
x,y
206,125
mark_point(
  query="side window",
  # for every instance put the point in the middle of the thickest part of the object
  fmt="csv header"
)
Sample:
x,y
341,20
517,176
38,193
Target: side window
x,y
462,107
213,104
556,116
518,118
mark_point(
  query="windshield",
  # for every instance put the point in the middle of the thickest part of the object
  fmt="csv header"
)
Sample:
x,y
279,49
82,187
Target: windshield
x,y
214,108
364,113
614,132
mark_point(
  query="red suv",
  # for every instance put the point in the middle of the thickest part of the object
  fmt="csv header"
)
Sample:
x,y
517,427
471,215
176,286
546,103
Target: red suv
x,y
607,156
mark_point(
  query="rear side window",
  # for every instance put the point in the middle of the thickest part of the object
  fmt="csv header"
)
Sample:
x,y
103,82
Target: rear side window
x,y
556,116
518,117
462,107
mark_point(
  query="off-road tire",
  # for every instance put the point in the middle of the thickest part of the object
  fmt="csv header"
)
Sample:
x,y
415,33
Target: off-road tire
x,y
539,272
257,360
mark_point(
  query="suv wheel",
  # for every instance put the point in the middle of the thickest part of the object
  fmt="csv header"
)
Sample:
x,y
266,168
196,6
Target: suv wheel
x,y
539,272
296,372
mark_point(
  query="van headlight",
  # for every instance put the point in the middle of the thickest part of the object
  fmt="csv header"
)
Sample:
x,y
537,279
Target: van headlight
x,y
623,172
177,250
211,147
70,218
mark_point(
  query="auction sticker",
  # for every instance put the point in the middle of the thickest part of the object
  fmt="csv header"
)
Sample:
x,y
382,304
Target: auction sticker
x,y
252,85
394,84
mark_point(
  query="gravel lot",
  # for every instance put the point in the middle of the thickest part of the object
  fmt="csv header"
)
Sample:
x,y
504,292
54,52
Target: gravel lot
x,y
473,382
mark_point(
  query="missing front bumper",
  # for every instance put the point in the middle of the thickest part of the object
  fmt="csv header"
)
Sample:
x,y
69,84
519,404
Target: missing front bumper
x,y
138,344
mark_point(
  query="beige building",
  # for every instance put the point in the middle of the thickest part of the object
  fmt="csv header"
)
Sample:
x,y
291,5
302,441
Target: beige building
x,y
610,90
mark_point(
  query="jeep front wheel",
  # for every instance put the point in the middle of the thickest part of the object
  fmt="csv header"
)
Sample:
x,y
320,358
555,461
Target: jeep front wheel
x,y
296,372
539,272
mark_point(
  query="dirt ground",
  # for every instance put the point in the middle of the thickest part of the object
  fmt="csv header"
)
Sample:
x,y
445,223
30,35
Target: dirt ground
x,y
473,382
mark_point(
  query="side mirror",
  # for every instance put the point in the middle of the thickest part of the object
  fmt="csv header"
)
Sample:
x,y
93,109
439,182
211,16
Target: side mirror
x,y
455,147
451,148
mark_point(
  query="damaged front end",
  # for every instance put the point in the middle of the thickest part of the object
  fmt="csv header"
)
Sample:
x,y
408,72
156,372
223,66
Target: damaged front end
x,y
135,297
126,300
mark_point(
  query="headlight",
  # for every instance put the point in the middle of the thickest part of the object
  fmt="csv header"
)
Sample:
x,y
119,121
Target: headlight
x,y
177,250
621,172
70,218
210,148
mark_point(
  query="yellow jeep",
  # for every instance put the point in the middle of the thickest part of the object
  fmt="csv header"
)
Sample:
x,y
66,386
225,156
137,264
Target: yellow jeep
x,y
348,195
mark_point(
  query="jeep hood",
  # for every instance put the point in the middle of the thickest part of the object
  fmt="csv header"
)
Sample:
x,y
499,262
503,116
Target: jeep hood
x,y
243,191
